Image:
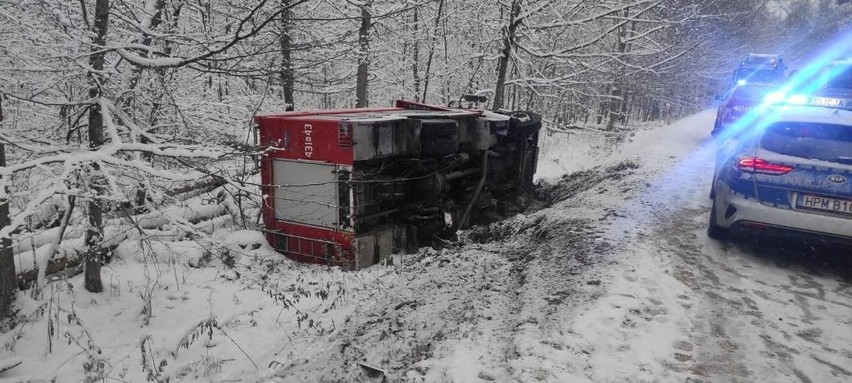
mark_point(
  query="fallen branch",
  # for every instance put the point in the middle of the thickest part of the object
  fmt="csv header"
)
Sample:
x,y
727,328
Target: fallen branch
x,y
9,363
69,264
148,221
69,268
63,225
198,187
205,185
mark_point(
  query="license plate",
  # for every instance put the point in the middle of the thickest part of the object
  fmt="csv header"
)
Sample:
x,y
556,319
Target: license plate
x,y
815,202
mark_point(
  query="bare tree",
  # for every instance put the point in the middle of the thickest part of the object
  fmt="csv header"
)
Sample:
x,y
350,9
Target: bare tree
x,y
362,78
415,54
7,263
287,70
95,231
509,31
432,45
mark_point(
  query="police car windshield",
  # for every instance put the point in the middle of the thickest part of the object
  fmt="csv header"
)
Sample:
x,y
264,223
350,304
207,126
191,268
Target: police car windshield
x,y
825,142
759,76
755,92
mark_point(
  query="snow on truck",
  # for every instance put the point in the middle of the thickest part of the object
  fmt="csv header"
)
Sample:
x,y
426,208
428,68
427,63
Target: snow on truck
x,y
351,187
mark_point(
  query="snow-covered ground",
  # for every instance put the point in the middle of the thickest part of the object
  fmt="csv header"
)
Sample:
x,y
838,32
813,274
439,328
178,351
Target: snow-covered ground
x,y
612,280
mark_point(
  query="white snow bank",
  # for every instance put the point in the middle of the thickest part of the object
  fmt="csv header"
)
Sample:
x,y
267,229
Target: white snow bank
x,y
183,252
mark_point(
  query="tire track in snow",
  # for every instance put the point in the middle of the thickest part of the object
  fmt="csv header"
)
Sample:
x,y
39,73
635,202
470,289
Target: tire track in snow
x,y
778,323
753,314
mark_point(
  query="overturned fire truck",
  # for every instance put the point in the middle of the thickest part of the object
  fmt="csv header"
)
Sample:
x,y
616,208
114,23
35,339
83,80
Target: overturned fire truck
x,y
351,187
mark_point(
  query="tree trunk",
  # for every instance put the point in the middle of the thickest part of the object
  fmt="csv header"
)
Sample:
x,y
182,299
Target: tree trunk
x,y
139,205
156,20
506,54
432,48
7,263
95,230
161,72
364,58
617,95
416,53
288,77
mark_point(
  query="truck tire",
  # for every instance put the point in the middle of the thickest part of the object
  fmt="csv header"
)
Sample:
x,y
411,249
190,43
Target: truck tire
x,y
440,147
523,119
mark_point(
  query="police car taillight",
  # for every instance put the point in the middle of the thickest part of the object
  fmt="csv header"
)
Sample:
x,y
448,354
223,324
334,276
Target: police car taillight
x,y
760,166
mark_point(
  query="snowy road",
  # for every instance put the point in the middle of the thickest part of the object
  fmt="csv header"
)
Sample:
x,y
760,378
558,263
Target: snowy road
x,y
681,307
615,281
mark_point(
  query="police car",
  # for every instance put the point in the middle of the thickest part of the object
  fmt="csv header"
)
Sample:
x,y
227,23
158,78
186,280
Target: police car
x,y
757,76
738,103
790,171
761,68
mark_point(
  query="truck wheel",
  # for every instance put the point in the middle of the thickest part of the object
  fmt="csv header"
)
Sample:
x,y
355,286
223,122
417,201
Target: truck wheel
x,y
523,119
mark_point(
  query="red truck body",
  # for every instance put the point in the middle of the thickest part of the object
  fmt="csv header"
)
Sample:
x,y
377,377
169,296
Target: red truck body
x,y
346,187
